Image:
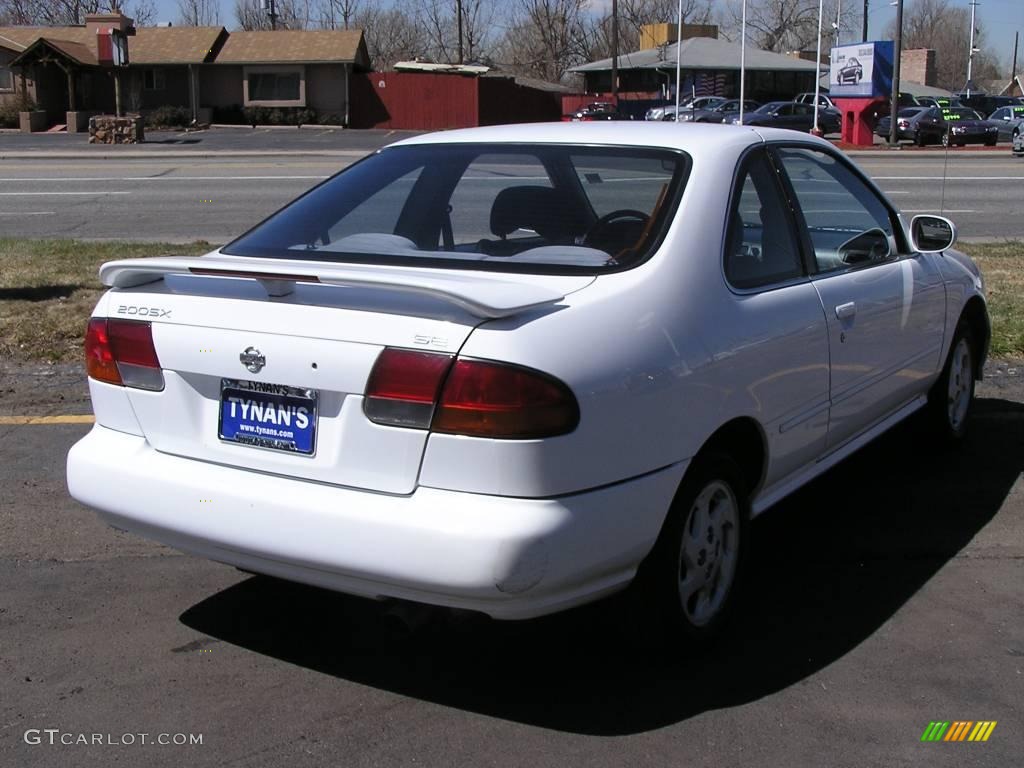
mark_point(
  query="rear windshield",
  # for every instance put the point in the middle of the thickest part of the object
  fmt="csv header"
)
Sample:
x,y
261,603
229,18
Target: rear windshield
x,y
522,208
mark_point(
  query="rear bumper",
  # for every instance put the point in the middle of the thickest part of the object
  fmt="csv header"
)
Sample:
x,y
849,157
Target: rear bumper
x,y
510,558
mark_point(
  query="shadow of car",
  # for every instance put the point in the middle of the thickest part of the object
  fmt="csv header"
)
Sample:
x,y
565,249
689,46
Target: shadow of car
x,y
855,551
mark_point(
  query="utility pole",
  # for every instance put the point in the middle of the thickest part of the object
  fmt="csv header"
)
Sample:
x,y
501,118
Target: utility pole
x,y
458,18
839,11
970,56
679,63
271,10
895,109
865,32
1013,71
615,51
817,71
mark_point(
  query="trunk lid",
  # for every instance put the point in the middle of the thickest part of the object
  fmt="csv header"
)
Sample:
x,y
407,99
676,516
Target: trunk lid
x,y
287,344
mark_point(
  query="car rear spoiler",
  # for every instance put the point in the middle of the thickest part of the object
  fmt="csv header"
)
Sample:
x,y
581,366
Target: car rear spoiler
x,y
483,297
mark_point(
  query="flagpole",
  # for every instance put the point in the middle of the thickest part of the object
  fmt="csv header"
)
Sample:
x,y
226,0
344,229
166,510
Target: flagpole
x,y
679,33
743,59
817,69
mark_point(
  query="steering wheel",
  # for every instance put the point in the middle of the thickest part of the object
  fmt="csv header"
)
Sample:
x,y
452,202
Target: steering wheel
x,y
601,229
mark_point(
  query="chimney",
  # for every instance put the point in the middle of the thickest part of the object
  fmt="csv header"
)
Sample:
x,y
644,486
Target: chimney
x,y
107,21
654,35
918,66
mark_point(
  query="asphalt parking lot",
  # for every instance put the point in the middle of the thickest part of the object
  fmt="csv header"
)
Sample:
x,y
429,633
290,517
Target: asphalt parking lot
x,y
887,594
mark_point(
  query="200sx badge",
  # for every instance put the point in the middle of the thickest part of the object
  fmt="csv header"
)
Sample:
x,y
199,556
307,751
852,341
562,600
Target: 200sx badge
x,y
271,416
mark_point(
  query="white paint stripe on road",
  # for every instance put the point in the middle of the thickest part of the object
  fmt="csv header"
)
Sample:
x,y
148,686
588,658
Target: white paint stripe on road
x,y
94,193
932,210
948,178
27,213
895,192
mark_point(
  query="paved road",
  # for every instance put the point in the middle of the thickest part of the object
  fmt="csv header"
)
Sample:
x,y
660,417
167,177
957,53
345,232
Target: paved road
x,y
175,198
888,594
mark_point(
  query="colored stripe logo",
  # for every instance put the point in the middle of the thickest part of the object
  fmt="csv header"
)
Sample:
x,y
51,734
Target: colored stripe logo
x,y
958,730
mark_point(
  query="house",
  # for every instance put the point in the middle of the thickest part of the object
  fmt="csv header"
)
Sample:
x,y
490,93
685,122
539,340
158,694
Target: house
x,y
69,72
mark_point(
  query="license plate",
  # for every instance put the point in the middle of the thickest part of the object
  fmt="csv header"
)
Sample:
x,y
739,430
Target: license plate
x,y
268,416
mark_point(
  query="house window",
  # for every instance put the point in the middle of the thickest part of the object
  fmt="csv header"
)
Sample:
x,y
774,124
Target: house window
x,y
154,80
277,86
6,79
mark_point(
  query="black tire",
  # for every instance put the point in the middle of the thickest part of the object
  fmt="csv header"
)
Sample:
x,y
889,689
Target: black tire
x,y
666,614
919,138
990,142
947,420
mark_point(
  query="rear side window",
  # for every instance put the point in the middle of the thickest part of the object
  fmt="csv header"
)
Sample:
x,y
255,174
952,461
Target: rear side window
x,y
761,247
538,208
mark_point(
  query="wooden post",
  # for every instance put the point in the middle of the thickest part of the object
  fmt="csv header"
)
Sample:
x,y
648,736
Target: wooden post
x,y
117,92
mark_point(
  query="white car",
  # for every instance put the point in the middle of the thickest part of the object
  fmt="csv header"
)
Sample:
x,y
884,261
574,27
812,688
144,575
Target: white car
x,y
515,369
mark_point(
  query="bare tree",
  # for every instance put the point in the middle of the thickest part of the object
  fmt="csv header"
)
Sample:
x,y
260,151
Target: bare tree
x,y
786,25
53,13
545,38
391,35
339,14
634,14
439,20
291,14
946,28
198,13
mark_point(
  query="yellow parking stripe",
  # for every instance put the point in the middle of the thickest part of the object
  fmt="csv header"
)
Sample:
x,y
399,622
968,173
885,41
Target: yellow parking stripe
x,y
78,419
988,731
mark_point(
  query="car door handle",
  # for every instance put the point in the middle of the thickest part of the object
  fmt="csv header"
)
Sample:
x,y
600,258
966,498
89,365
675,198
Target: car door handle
x,y
846,311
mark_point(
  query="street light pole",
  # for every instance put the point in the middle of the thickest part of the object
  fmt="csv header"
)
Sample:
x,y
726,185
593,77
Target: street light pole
x,y
895,108
970,54
865,23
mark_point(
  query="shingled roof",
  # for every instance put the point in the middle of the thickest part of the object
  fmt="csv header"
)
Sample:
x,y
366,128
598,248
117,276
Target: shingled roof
x,y
150,45
296,47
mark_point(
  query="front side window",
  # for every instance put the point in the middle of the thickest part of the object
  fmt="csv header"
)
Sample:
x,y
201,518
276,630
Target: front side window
x,y
761,247
506,207
6,79
848,224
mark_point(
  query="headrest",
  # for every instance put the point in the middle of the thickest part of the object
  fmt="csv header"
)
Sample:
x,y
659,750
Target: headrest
x,y
545,210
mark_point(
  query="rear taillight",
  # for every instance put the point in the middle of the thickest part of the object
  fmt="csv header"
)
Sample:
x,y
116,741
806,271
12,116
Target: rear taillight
x,y
403,387
487,399
122,352
472,397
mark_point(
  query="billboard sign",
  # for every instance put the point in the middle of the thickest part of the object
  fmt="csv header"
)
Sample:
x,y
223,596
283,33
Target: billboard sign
x,y
862,70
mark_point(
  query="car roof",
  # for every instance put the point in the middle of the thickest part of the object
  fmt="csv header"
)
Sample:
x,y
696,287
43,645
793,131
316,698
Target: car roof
x,y
694,138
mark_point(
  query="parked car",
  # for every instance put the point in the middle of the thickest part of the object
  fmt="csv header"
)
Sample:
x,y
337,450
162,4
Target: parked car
x,y
657,113
723,112
1018,145
985,104
824,100
599,110
1008,121
518,368
686,112
961,125
941,102
851,72
789,114
908,125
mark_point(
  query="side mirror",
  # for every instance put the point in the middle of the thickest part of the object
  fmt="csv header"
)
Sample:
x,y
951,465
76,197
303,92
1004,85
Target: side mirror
x,y
932,234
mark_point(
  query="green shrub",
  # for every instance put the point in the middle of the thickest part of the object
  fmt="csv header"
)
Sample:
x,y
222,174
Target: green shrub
x,y
168,117
232,115
279,116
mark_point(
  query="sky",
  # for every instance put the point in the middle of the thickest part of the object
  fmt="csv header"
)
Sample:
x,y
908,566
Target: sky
x,y
1000,19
